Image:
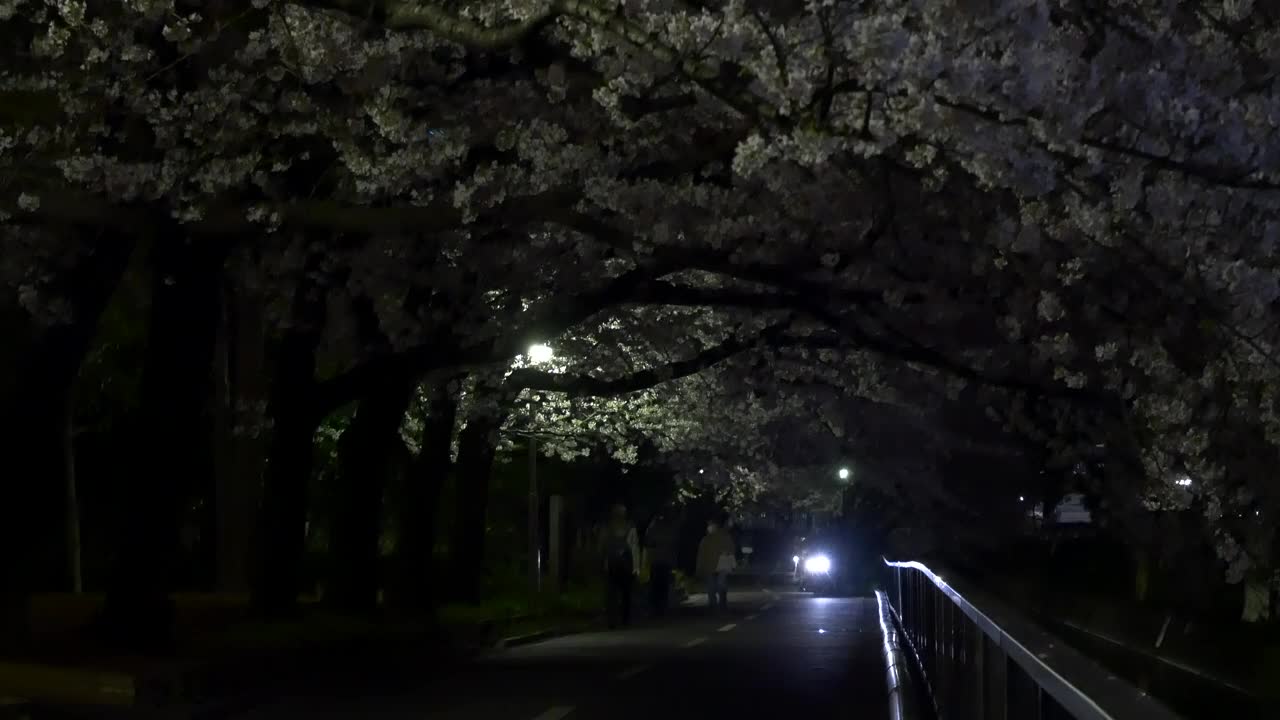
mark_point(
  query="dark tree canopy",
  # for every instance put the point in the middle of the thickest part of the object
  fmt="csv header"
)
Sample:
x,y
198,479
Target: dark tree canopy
x,y
1051,224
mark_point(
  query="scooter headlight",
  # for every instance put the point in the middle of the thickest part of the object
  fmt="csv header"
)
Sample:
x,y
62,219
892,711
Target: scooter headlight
x,y
817,564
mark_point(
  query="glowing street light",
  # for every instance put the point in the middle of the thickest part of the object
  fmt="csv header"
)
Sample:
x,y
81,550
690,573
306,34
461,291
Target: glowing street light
x,y
540,353
844,473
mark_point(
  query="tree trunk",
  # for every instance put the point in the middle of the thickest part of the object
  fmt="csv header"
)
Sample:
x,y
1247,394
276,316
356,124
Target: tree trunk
x,y
476,447
72,502
241,395
282,529
365,453
419,508
172,444
32,503
38,366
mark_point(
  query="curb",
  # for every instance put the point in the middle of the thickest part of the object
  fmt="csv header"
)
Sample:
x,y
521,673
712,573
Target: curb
x,y
528,638
554,631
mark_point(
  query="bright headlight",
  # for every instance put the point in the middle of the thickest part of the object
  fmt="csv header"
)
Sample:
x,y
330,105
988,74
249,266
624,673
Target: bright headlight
x,y
817,564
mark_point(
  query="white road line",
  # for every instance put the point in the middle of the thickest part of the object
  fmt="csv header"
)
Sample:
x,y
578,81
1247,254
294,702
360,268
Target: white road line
x,y
695,642
728,627
632,672
559,712
752,616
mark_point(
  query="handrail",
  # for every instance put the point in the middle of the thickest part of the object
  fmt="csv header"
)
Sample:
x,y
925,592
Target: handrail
x,y
904,701
1063,682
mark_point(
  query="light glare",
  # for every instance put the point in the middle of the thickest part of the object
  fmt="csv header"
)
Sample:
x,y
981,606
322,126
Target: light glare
x,y
540,353
844,473
818,564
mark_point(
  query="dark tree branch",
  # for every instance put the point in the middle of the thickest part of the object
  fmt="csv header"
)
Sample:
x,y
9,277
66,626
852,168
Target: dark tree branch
x,y
808,296
60,206
661,292
533,379
549,321
438,216
636,287
774,336
1238,178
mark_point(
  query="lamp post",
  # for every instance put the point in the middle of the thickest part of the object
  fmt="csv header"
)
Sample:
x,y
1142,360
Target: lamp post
x,y
538,354
844,474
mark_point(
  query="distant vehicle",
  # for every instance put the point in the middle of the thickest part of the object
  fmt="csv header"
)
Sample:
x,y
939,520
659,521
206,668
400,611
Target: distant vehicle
x,y
820,565
817,574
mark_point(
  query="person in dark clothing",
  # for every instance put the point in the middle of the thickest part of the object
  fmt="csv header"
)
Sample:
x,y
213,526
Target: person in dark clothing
x,y
620,548
660,545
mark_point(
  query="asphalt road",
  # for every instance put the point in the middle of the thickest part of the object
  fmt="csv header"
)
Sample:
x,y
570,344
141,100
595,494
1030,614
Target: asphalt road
x,y
773,656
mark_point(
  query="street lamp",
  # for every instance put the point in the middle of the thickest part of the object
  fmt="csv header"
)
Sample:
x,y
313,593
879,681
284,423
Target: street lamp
x,y
844,473
539,353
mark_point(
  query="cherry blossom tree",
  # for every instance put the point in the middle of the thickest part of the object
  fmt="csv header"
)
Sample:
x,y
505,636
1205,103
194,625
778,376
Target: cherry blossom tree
x,y
1061,211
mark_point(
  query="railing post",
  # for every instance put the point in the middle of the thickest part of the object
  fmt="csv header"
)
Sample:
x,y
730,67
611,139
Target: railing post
x,y
946,659
959,689
931,632
897,575
921,603
911,617
978,675
958,656
996,665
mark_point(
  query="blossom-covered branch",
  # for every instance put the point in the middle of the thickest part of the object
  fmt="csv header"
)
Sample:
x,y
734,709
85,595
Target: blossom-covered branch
x,y
535,379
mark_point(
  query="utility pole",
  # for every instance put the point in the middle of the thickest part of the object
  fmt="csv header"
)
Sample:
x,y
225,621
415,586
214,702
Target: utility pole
x,y
535,539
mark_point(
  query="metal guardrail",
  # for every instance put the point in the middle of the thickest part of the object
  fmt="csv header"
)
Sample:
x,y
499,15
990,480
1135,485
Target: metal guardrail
x,y
983,661
904,697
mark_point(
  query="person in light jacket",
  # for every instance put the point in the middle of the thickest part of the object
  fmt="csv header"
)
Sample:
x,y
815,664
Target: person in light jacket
x,y
717,557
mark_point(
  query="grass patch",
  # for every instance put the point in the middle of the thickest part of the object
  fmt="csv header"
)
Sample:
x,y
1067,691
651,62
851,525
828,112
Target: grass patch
x,y
518,606
318,630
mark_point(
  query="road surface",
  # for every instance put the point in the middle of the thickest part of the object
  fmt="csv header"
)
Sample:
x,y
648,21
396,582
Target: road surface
x,y
774,656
